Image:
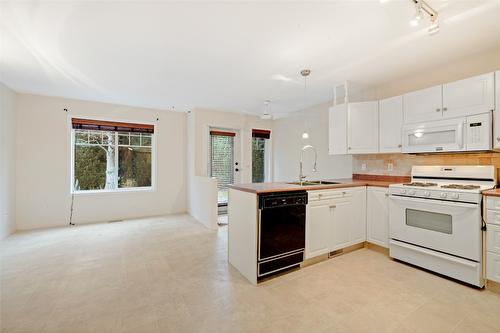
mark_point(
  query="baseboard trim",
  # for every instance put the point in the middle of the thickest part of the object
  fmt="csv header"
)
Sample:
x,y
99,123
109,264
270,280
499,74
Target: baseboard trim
x,y
493,286
377,248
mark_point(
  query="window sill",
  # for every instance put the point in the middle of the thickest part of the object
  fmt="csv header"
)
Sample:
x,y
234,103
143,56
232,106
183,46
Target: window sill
x,y
124,190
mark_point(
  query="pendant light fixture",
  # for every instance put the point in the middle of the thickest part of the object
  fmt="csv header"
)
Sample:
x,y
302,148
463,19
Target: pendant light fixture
x,y
305,73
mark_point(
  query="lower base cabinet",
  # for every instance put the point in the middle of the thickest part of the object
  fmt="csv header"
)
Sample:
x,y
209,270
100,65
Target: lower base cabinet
x,y
493,238
493,266
335,219
377,216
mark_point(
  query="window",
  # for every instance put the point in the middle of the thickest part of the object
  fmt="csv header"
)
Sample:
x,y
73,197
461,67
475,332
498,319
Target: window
x,y
111,156
260,156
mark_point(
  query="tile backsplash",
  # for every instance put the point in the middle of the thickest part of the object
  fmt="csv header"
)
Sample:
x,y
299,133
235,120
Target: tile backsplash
x,y
400,164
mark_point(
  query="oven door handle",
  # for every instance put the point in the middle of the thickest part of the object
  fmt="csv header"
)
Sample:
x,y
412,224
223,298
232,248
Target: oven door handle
x,y
435,201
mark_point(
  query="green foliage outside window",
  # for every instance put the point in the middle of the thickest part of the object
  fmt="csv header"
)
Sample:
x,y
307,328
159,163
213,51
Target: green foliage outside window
x,y
95,160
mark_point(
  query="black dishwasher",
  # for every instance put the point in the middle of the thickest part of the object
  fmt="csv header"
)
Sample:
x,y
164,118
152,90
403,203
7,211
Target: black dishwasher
x,y
282,231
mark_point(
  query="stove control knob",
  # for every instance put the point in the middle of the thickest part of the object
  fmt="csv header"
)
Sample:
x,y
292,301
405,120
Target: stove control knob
x,y
454,195
427,194
443,195
412,192
403,191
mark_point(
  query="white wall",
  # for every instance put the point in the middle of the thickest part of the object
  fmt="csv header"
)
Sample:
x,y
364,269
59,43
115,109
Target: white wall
x,y
7,161
43,164
476,64
204,197
287,142
198,125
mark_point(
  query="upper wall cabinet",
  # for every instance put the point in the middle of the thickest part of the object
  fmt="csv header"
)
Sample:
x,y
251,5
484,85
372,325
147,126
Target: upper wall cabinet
x,y
423,105
362,124
496,113
337,134
470,96
390,124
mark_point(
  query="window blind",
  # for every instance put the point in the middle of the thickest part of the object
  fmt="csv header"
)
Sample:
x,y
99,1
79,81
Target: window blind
x,y
260,133
100,125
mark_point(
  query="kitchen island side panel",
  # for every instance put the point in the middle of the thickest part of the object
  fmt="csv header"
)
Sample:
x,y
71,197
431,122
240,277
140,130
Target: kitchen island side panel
x,y
242,233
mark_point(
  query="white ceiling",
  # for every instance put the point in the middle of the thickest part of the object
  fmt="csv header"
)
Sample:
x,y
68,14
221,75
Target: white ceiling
x,y
228,55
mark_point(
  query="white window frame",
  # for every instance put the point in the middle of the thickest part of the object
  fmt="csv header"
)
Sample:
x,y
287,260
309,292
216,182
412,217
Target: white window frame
x,y
71,135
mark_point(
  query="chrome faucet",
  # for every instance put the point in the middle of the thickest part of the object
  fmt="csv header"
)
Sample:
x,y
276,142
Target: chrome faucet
x,y
301,174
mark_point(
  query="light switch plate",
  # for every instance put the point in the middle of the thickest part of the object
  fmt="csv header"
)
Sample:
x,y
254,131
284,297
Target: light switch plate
x,y
363,166
390,167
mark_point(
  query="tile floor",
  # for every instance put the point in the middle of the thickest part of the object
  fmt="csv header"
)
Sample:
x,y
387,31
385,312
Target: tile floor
x,y
170,274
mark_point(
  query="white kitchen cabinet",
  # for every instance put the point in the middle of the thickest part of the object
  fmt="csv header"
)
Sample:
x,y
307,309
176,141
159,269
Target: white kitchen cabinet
x,y
469,96
496,113
493,238
342,218
337,134
318,221
423,105
349,218
493,266
335,219
390,124
358,225
362,128
377,216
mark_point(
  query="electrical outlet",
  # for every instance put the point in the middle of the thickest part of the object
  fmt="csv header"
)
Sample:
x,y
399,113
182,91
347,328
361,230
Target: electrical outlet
x,y
363,166
390,167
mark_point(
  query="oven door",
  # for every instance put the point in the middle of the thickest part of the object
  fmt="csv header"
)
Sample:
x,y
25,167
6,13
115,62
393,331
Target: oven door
x,y
448,227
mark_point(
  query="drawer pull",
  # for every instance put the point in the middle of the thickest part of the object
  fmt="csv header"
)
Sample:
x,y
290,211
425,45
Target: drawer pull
x,y
333,206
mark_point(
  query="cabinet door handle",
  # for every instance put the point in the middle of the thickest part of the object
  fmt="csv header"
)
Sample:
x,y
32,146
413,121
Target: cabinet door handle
x,y
438,110
498,139
445,109
400,145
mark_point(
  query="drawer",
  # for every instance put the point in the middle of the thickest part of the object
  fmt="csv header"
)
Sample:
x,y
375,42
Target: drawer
x,y
493,238
493,202
493,266
317,195
493,217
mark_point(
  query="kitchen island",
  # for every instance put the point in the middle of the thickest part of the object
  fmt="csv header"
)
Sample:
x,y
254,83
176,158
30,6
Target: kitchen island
x,y
335,218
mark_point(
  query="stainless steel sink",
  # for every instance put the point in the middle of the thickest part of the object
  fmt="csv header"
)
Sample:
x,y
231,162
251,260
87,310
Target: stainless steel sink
x,y
313,183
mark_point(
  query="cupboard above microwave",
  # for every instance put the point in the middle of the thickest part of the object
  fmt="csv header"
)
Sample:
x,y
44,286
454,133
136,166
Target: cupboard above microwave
x,y
472,133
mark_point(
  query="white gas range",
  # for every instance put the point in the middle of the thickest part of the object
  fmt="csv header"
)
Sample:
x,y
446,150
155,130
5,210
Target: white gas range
x,y
435,221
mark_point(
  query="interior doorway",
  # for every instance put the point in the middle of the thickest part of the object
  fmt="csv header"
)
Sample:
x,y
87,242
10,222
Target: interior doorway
x,y
224,163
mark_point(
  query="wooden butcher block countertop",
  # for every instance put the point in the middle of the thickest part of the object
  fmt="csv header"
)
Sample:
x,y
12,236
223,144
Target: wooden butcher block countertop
x,y
356,180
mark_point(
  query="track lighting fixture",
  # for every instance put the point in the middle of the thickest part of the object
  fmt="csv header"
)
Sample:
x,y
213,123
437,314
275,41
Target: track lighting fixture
x,y
420,7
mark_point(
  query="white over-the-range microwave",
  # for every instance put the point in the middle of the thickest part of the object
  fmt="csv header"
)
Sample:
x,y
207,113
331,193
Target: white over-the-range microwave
x,y
470,133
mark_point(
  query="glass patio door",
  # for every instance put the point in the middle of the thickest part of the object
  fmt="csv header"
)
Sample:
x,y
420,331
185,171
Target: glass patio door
x,y
222,162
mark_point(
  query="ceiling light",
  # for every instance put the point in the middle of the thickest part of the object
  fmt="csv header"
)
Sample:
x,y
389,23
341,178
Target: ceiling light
x,y
422,7
434,27
305,73
418,134
418,14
